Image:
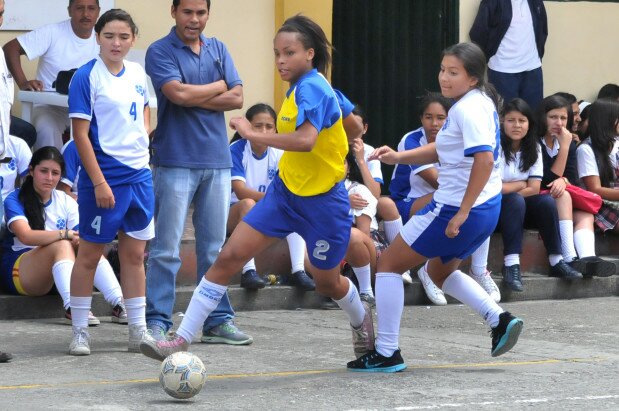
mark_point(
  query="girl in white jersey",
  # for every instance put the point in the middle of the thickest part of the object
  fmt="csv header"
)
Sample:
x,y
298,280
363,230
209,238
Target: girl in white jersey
x,y
39,249
462,214
108,107
254,166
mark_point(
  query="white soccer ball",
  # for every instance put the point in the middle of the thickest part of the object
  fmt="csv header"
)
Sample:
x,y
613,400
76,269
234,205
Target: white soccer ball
x,y
182,375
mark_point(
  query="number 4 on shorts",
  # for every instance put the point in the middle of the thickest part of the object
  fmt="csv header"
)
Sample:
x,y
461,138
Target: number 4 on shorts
x,y
96,224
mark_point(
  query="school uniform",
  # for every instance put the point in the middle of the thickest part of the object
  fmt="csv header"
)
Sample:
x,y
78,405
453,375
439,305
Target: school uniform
x,y
257,172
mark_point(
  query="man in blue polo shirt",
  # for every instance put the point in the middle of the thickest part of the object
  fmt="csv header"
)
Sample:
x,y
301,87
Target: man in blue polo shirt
x,y
196,82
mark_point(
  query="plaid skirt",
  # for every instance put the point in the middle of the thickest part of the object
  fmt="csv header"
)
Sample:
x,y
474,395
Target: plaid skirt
x,y
608,216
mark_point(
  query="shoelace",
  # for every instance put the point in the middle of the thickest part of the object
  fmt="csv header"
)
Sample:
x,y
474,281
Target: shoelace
x,y
82,339
177,341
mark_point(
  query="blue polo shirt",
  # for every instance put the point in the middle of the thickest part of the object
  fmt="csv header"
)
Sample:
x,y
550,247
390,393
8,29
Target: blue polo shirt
x,y
189,137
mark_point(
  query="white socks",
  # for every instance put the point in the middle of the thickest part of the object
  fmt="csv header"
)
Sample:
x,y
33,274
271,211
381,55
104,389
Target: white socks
x,y
136,311
296,245
205,299
466,290
61,271
566,229
389,307
107,283
251,265
511,259
392,228
80,307
479,259
351,304
554,259
584,240
364,276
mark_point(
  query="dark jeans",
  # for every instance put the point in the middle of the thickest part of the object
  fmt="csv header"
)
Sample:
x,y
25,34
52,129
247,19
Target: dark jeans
x,y
24,130
538,211
528,85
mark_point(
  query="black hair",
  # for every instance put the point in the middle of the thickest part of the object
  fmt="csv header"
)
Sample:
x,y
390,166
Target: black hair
x,y
73,1
354,172
175,4
568,96
474,61
311,36
251,112
433,97
33,207
115,14
609,90
528,145
551,103
358,111
603,118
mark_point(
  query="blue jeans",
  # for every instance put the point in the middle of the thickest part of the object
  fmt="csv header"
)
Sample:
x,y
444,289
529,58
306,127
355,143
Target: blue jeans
x,y
175,189
528,85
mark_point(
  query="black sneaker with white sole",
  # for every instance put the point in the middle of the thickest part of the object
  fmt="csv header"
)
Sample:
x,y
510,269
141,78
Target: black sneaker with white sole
x,y
505,334
375,362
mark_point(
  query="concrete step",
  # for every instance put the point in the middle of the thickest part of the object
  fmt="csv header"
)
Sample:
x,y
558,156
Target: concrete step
x,y
537,287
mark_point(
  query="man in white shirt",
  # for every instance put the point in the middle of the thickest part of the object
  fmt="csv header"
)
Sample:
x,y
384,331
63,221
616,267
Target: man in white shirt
x,y
59,46
513,33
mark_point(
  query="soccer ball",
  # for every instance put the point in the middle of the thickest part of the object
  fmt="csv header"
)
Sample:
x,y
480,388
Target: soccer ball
x,y
182,375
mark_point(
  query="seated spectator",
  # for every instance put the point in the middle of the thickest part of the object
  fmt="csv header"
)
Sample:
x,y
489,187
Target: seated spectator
x,y
560,169
59,47
43,237
610,91
362,202
598,161
583,127
412,186
522,204
575,113
253,168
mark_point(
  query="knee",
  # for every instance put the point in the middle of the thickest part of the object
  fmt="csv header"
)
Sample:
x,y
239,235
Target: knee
x,y
245,205
133,258
63,250
513,202
387,209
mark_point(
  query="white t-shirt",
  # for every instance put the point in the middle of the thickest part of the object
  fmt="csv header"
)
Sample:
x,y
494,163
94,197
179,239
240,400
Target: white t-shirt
x,y
517,51
58,48
20,155
61,212
6,101
511,172
374,165
406,183
257,173
587,166
472,126
370,210
114,105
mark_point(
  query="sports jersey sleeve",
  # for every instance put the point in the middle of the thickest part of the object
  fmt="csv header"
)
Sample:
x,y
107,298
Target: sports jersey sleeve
x,y
37,42
411,142
145,86
587,166
537,169
345,105
13,209
316,105
236,150
71,163
161,66
478,131
80,96
23,156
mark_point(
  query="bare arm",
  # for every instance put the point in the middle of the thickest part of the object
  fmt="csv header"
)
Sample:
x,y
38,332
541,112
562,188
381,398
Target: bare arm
x,y
226,101
480,173
513,186
353,127
13,52
302,139
192,95
368,179
425,154
31,237
593,184
242,191
558,166
147,119
532,188
103,193
430,176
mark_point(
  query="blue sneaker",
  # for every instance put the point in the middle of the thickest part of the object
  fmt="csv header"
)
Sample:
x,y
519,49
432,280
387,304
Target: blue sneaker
x,y
226,333
156,331
375,362
505,334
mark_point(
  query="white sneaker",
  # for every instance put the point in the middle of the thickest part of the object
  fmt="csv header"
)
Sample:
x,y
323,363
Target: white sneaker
x,y
434,293
136,334
80,345
488,284
406,277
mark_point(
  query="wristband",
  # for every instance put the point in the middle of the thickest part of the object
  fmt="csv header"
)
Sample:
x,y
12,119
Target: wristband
x,y
97,185
66,234
59,234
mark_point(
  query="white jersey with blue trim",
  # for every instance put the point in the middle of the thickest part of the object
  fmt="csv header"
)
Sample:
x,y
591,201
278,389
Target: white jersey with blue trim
x,y
373,165
114,105
20,155
405,181
72,165
61,212
512,172
472,126
256,172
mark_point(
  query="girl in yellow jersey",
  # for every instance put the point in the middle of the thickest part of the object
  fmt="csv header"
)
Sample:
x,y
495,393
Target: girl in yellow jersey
x,y
307,197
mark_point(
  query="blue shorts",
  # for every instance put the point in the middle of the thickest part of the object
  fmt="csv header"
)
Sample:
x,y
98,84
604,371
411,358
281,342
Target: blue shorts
x,y
425,231
9,271
132,213
322,220
404,208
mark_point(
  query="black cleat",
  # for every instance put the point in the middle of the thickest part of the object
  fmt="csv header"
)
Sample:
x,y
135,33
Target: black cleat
x,y
250,280
375,362
505,334
302,281
562,270
512,278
